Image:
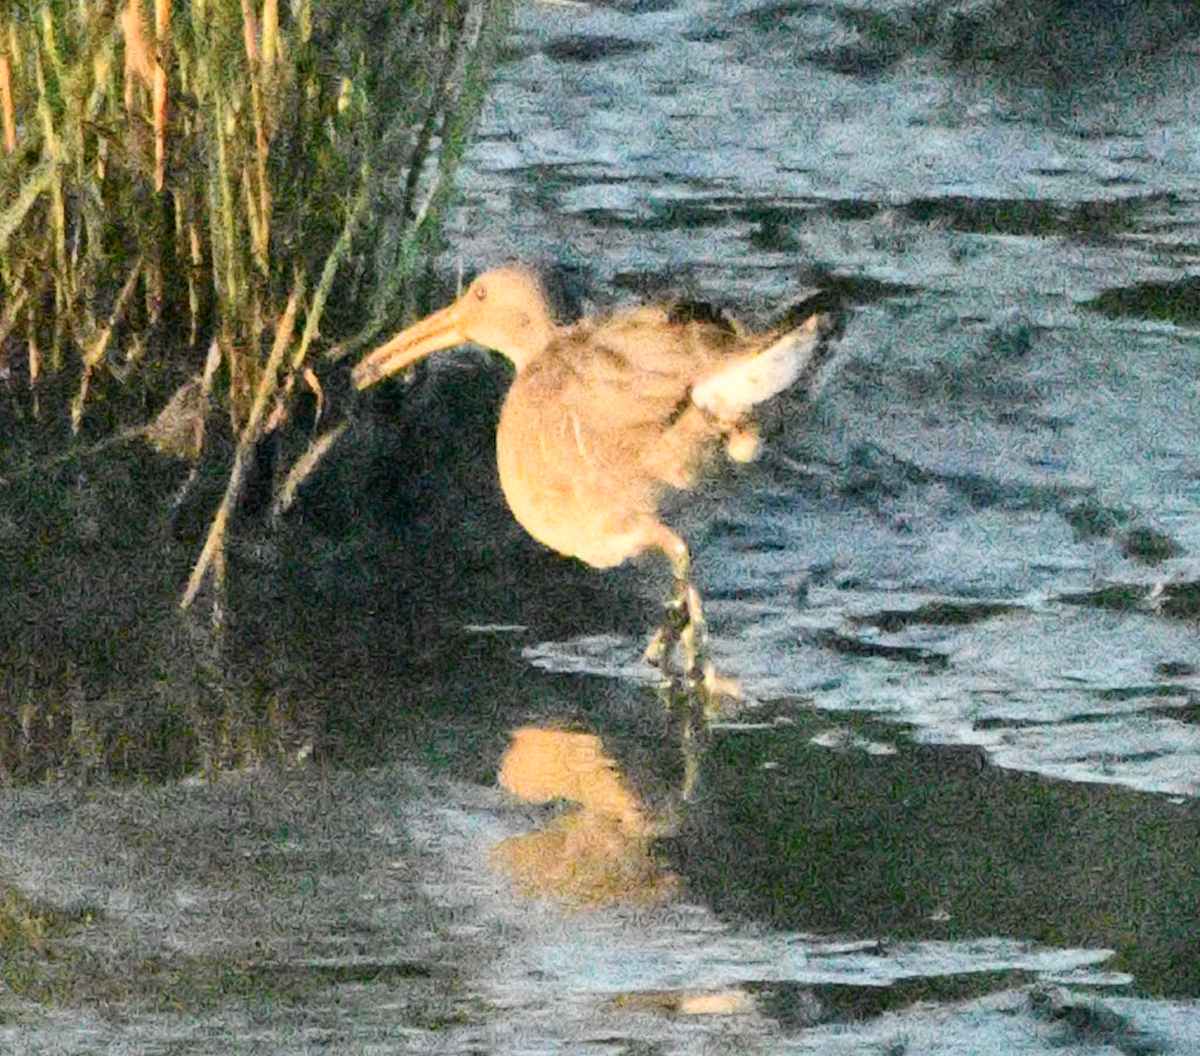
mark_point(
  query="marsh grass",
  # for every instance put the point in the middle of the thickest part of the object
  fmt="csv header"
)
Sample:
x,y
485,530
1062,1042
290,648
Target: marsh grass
x,y
184,185
201,206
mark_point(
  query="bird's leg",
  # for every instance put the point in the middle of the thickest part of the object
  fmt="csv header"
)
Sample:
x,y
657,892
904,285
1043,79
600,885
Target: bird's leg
x,y
698,688
684,624
694,638
688,613
702,687
678,617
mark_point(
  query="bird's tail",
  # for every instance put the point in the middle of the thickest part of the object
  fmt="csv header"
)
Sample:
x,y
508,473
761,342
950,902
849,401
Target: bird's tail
x,y
731,391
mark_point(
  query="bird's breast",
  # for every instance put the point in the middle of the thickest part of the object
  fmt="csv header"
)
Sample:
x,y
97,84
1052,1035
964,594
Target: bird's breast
x,y
566,479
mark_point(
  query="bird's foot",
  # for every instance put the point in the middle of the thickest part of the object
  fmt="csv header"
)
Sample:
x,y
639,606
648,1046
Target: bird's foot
x,y
696,681
659,648
690,687
682,625
720,694
662,645
693,690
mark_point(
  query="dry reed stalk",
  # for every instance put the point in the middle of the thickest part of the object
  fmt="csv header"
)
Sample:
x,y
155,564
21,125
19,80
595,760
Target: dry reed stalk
x,y
314,386
35,364
270,33
8,115
36,184
303,468
139,57
258,206
307,463
162,50
212,556
94,353
8,320
340,250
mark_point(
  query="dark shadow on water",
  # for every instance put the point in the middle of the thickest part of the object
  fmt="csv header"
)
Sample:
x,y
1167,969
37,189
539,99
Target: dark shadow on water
x,y
1064,58
935,842
797,1007
427,665
1175,302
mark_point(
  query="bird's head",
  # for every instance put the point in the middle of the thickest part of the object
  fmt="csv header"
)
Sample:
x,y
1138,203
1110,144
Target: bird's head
x,y
504,310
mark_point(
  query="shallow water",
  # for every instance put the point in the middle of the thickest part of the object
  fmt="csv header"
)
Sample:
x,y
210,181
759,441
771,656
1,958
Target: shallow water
x,y
996,495
957,811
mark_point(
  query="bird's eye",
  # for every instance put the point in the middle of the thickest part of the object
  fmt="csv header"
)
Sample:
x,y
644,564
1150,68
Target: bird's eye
x,y
480,292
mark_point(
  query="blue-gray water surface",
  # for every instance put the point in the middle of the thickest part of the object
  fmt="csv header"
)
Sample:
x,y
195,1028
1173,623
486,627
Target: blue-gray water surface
x,y
956,811
1001,470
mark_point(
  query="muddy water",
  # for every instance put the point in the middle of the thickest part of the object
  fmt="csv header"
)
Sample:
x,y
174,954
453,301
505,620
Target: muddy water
x,y
957,811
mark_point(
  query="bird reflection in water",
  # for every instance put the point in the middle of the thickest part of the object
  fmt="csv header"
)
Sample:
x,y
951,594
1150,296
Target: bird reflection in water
x,y
597,852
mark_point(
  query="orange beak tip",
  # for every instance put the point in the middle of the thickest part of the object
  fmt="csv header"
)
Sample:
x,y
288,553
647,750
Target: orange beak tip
x,y
362,376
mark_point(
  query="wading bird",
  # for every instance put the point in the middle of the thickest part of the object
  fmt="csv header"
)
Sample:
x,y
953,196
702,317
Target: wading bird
x,y
608,415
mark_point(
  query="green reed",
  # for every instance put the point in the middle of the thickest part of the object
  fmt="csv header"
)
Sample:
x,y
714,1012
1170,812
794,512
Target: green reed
x,y
187,188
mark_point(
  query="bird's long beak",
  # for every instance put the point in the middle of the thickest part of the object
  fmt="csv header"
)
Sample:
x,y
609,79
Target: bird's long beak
x,y
443,329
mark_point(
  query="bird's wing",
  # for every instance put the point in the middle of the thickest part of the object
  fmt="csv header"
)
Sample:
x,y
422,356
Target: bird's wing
x,y
639,364
642,397
731,389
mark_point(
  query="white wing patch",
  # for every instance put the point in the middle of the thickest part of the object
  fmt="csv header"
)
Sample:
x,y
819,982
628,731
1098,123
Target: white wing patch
x,y
733,391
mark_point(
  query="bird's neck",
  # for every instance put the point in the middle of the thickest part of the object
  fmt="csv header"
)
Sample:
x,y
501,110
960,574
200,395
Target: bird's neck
x,y
535,338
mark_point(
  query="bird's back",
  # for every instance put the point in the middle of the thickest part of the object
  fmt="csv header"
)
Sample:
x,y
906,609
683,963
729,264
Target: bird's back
x,y
598,426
